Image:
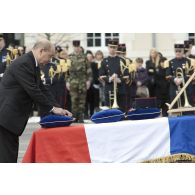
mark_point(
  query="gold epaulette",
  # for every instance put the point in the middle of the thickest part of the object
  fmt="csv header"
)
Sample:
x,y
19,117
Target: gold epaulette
x,y
192,62
132,67
128,62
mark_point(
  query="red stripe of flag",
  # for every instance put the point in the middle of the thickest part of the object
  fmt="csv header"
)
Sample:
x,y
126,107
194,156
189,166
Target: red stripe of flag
x,y
58,145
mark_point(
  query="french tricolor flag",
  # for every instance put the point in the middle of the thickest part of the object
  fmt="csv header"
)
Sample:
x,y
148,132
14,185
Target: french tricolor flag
x,y
120,142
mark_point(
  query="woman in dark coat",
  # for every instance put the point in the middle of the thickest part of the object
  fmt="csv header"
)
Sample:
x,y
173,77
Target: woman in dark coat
x,y
151,65
162,87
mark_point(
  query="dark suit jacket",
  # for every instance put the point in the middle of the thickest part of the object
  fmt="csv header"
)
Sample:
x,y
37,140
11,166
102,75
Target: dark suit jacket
x,y
20,87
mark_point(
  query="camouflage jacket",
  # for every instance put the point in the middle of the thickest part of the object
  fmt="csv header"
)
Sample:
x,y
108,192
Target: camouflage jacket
x,y
79,70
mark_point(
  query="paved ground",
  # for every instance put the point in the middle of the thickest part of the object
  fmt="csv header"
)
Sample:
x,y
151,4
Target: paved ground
x,y
25,138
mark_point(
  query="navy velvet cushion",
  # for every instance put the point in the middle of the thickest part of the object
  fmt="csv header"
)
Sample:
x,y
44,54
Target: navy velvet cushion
x,y
107,116
143,113
52,121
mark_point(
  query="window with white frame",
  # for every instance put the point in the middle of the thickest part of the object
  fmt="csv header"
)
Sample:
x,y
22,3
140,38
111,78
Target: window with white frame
x,y
111,36
94,40
192,37
100,39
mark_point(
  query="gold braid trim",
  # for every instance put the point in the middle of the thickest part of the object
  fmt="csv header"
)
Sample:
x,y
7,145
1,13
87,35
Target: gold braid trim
x,y
173,158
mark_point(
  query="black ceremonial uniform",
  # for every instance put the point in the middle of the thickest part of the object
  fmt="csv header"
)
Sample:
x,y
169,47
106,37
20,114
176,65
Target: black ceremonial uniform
x,y
5,56
151,70
162,88
173,64
109,66
56,83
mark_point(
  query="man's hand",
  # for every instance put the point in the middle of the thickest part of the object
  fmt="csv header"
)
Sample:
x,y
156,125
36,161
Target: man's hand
x,y
139,83
178,81
113,77
60,111
88,84
68,86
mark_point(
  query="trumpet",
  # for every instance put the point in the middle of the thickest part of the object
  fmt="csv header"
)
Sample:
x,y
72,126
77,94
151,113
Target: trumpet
x,y
180,74
114,95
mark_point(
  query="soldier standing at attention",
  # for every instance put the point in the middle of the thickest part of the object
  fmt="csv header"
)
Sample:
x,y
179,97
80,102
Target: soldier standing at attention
x,y
113,68
78,81
171,72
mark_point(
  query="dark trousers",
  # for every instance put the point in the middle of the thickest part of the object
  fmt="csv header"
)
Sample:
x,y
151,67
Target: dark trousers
x,y
9,144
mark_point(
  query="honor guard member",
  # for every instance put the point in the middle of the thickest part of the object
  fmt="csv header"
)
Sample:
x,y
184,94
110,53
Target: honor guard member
x,y
188,49
5,56
130,87
173,65
54,77
78,81
113,68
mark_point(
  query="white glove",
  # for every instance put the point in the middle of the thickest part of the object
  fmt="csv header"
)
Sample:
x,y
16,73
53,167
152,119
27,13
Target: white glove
x,y
139,83
1,75
88,84
178,81
68,86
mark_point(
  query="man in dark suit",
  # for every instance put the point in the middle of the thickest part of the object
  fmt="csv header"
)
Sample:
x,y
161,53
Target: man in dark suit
x,y
20,87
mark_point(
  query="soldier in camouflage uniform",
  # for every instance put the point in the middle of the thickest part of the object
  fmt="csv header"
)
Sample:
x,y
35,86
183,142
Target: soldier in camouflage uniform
x,y
78,81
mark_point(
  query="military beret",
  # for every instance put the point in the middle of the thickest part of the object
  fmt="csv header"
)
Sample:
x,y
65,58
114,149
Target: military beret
x,y
108,116
179,46
52,121
143,113
76,43
58,48
113,42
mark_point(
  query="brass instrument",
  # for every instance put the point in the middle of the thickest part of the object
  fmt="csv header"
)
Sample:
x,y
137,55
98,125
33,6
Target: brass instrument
x,y
132,70
180,74
114,95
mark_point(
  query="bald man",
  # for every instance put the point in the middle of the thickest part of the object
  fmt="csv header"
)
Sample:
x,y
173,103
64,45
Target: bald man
x,y
20,87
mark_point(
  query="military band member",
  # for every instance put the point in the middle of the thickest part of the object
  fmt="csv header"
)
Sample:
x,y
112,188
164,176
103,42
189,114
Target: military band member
x,y
130,86
79,80
188,49
113,68
172,66
54,77
5,56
